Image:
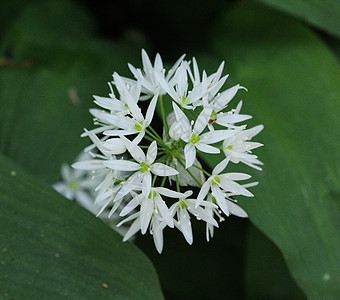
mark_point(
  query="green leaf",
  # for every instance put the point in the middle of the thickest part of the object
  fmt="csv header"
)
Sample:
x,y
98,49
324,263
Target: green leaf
x,y
44,104
52,248
294,90
324,14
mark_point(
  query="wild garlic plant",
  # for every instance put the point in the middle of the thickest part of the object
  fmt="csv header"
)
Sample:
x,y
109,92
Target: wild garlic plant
x,y
150,175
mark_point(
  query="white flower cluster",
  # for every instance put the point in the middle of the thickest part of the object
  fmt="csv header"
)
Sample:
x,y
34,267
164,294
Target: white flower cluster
x,y
146,170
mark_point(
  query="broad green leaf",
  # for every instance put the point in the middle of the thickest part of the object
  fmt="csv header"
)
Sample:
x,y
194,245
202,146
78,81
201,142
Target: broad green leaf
x,y
44,105
294,90
324,14
50,248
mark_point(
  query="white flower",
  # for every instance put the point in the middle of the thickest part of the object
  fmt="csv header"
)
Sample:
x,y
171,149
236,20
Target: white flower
x,y
132,184
182,209
192,136
149,78
180,92
153,210
238,148
143,166
219,103
135,125
218,183
157,226
74,185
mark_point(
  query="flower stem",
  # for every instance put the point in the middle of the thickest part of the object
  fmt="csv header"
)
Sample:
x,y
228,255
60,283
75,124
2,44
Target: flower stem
x,y
177,184
155,133
154,180
166,126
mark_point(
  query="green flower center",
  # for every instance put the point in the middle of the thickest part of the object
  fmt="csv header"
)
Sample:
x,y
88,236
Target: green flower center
x,y
184,100
183,204
229,147
213,115
216,180
194,138
138,126
152,194
72,184
144,167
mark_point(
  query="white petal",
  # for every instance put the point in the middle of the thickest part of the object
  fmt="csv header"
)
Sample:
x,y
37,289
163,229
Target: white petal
x,y
146,185
220,199
66,172
236,176
123,165
135,151
216,136
202,120
233,187
109,103
146,62
163,210
115,146
146,212
160,169
152,153
169,193
129,207
236,210
134,228
94,164
226,96
185,225
207,148
226,119
120,132
203,193
174,67
221,166
190,155
157,229
151,110
181,119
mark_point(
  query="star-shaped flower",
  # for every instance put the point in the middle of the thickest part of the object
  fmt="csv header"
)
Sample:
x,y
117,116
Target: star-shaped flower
x,y
219,183
193,137
143,167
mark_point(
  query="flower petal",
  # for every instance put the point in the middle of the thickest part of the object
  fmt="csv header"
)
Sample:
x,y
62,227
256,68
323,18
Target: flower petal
x,y
183,120
185,225
160,169
146,184
221,166
220,199
190,155
207,148
202,120
236,210
216,136
151,110
152,153
146,212
203,193
123,165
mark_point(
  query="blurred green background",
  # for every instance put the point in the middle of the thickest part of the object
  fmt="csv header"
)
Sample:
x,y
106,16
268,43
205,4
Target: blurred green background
x,y
54,55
